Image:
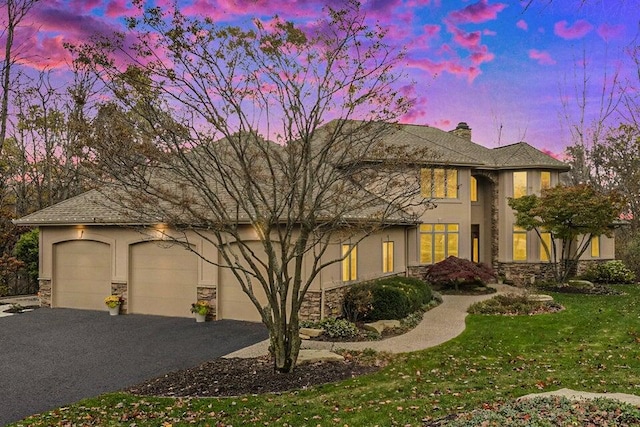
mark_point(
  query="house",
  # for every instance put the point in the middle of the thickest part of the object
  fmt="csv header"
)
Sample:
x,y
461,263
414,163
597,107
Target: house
x,y
89,250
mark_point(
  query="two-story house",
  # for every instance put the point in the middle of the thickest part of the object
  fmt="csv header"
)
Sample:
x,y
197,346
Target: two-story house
x,y
88,251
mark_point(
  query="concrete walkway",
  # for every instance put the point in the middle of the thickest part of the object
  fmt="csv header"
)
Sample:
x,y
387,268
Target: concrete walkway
x,y
439,325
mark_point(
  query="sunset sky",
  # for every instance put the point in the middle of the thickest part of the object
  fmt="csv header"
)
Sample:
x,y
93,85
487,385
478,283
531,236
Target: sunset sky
x,y
493,64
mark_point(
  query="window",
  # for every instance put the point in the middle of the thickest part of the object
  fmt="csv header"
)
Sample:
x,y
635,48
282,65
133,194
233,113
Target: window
x,y
546,238
439,183
595,247
437,242
545,180
387,257
519,244
474,189
519,184
349,262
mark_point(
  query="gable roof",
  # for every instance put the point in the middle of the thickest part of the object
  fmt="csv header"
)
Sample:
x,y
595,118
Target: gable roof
x,y
522,155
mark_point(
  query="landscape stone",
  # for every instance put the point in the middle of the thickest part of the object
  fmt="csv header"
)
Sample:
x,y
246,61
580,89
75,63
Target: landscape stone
x,y
376,327
540,298
390,324
311,332
304,337
312,356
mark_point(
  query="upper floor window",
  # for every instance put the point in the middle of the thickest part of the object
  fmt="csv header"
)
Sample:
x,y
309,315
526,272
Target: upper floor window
x,y
387,257
349,262
595,247
438,241
545,180
473,189
439,183
519,184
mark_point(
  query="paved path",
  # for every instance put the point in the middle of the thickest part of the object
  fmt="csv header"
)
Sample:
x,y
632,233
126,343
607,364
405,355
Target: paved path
x,y
53,357
439,325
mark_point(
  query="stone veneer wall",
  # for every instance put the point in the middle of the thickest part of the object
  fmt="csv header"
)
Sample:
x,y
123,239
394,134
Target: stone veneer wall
x,y
522,274
121,289
210,294
311,308
44,292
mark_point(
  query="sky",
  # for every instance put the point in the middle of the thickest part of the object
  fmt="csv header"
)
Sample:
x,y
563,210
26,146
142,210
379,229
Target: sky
x,y
503,67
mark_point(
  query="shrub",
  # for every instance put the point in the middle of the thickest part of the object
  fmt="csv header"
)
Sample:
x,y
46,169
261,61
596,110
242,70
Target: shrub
x,y
513,304
610,272
455,272
388,298
338,328
26,250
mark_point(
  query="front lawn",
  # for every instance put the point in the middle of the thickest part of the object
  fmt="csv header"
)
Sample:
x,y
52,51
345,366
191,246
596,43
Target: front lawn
x,y
592,345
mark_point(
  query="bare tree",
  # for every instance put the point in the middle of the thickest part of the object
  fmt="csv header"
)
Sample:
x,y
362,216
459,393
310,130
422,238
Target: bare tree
x,y
16,10
225,133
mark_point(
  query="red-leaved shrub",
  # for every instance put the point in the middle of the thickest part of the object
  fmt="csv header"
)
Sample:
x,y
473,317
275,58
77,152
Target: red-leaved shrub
x,y
455,272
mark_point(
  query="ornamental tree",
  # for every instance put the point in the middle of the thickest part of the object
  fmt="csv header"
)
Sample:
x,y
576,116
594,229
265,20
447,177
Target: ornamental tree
x,y
572,215
217,130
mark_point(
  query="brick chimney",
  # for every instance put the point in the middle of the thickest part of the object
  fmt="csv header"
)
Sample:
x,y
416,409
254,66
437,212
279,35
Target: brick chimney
x,y
463,131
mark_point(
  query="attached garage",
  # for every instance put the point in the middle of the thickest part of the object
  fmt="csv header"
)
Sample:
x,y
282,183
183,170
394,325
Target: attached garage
x,y
81,274
163,279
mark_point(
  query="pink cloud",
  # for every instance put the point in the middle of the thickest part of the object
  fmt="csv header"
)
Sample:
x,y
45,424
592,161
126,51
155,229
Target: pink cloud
x,y
464,39
543,57
522,25
608,32
488,33
452,67
442,124
481,55
477,13
120,8
578,30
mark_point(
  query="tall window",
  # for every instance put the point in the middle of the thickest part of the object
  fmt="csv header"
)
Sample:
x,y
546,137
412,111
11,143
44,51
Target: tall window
x,y
387,257
349,262
474,189
519,184
439,183
519,244
546,238
438,241
595,247
545,180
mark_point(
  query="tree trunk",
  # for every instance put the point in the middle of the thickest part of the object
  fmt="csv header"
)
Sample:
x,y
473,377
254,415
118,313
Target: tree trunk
x,y
285,344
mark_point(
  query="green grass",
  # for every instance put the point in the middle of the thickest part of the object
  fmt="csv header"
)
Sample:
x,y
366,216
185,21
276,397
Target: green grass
x,y
593,345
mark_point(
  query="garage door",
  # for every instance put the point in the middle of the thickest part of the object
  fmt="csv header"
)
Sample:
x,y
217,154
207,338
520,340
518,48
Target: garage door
x,y
233,302
81,274
163,279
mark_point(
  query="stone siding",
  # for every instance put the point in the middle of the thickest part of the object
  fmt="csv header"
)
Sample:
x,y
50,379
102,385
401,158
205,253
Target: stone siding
x,y
311,306
333,299
524,274
121,289
210,294
44,294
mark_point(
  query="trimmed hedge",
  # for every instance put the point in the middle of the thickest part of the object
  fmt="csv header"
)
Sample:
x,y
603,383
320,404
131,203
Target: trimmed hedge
x,y
388,298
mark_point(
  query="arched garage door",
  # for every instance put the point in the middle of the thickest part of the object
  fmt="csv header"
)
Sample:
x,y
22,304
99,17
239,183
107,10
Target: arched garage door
x,y
163,279
81,274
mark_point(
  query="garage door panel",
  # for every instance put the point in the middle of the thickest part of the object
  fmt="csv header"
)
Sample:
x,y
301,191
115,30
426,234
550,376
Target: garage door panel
x,y
82,274
163,279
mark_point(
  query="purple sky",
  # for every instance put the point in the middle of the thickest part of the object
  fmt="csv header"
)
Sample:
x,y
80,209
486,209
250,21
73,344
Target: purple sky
x,y
491,64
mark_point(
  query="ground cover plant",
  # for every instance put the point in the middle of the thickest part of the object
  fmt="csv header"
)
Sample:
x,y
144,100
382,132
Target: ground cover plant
x,y
514,305
593,345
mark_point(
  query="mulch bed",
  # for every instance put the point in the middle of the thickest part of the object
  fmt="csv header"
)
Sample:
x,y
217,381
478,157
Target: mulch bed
x,y
235,377
595,290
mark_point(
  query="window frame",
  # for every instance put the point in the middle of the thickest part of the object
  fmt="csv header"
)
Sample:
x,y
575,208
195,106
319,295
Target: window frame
x,y
521,233
597,247
473,189
430,179
388,248
520,190
349,264
441,238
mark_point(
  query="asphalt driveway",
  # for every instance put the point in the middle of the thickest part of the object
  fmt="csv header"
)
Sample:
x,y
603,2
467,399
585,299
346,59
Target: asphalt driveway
x,y
54,357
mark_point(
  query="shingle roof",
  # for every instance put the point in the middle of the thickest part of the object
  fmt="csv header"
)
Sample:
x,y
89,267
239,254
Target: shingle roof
x,y
450,149
87,208
94,207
